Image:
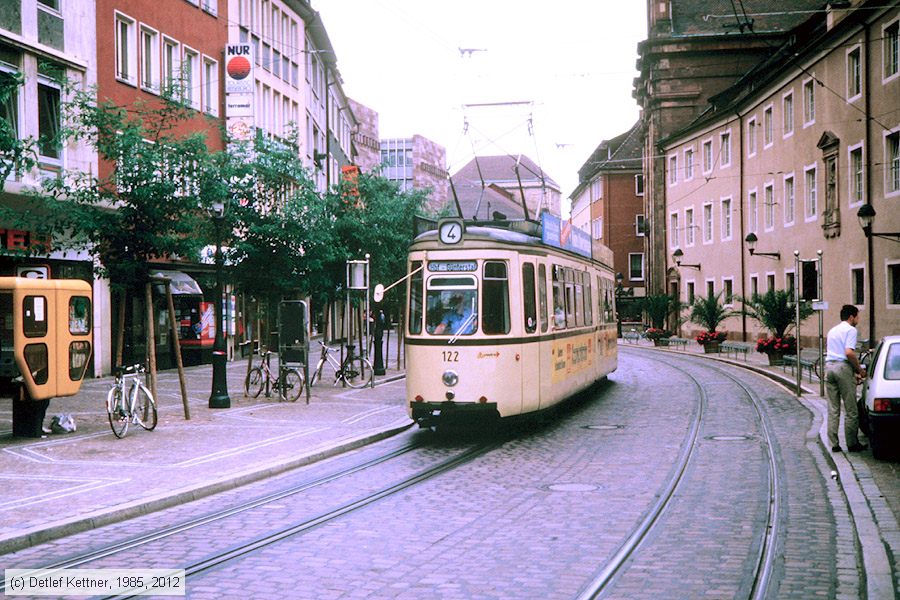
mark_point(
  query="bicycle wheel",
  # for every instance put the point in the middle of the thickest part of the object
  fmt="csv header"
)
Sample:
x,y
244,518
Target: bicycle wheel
x,y
317,373
293,384
115,409
145,408
358,372
253,386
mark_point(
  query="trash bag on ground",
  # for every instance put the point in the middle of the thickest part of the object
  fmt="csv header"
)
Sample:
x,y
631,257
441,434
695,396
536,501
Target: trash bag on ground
x,y
62,423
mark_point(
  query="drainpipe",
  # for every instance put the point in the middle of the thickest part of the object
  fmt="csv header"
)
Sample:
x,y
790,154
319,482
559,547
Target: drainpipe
x,y
740,167
870,262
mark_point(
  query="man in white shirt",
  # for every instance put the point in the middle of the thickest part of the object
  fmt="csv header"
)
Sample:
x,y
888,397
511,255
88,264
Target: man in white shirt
x,y
841,370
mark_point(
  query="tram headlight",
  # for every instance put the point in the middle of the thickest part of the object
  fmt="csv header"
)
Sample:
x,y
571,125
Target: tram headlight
x,y
450,378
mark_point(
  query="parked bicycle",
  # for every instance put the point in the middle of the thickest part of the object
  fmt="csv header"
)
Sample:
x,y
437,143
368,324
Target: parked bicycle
x,y
132,405
356,370
288,381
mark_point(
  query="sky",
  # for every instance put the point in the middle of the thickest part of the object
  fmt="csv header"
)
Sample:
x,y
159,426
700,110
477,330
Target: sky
x,y
560,71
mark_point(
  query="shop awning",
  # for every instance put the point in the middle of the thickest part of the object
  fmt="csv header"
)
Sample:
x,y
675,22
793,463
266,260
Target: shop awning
x,y
181,283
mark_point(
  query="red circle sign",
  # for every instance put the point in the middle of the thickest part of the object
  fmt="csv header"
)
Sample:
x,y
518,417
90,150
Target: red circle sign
x,y
238,67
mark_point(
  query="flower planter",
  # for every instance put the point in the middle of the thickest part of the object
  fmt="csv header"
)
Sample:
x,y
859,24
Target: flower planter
x,y
711,347
776,359
661,342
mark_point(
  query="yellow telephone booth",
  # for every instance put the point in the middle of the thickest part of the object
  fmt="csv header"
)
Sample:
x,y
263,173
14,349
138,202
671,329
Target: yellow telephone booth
x,y
45,344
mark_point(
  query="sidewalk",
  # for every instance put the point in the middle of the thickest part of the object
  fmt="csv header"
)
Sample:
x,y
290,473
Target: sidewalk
x,y
65,483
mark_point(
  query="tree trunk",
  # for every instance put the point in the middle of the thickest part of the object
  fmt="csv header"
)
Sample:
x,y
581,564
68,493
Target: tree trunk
x,y
151,339
170,304
120,329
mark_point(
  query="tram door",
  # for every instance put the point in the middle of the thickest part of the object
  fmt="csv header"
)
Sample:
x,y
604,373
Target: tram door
x,y
530,352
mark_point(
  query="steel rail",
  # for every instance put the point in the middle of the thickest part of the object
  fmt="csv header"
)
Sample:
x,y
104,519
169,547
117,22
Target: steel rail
x,y
194,523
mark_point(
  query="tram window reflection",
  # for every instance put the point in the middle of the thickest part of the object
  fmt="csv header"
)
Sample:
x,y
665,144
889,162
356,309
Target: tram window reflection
x,y
542,295
415,299
496,298
528,298
450,306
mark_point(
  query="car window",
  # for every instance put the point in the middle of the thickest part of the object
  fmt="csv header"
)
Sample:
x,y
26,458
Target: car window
x,y
892,362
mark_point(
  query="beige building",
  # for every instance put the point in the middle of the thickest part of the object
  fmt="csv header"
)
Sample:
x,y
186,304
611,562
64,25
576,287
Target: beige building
x,y
790,154
417,163
365,137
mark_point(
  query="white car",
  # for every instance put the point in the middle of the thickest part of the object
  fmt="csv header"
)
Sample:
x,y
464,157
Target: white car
x,y
881,392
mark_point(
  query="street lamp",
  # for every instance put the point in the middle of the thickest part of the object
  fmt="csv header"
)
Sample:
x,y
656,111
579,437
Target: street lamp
x,y
218,397
751,240
678,255
619,279
866,215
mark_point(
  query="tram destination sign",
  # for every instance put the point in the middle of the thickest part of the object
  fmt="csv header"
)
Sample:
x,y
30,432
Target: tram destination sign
x,y
452,266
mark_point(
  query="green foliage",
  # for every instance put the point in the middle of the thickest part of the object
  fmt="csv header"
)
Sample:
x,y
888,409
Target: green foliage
x,y
658,307
708,311
775,310
16,155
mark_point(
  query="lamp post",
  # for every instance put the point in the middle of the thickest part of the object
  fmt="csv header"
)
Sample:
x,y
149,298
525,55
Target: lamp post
x,y
218,397
751,240
676,258
619,279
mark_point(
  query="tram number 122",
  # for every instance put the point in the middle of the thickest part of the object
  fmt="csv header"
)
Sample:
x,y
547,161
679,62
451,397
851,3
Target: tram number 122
x,y
451,356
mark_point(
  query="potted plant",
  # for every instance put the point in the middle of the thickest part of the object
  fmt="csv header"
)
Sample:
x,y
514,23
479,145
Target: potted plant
x,y
775,348
660,337
658,307
708,312
710,340
775,310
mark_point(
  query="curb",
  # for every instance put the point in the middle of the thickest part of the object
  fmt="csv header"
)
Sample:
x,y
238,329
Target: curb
x,y
141,507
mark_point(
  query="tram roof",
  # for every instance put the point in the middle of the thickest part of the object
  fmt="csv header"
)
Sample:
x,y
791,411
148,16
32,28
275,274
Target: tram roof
x,y
518,232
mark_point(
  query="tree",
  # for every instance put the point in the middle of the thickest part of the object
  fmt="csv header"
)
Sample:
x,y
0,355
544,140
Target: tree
x,y
16,154
708,311
658,307
775,310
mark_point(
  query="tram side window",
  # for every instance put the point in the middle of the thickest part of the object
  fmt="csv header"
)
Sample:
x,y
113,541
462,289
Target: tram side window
x,y
542,294
451,305
415,299
570,298
588,314
610,303
528,298
495,304
579,300
559,298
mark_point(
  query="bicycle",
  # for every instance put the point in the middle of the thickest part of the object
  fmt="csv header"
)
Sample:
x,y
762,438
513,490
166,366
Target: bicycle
x,y
356,370
288,383
135,406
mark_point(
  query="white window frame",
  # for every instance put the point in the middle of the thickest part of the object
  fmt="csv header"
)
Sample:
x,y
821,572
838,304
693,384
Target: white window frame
x,y
639,187
788,272
674,238
210,97
170,73
126,51
854,94
709,290
727,202
787,114
672,163
190,64
597,228
769,206
690,290
891,165
643,266
888,50
688,227
689,163
211,6
706,156
887,283
753,210
725,299
751,137
810,196
771,281
639,224
43,158
725,148
708,223
768,126
149,60
853,267
852,176
753,284
809,101
19,99
790,202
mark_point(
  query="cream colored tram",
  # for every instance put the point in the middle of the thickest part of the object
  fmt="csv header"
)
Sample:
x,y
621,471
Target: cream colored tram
x,y
501,323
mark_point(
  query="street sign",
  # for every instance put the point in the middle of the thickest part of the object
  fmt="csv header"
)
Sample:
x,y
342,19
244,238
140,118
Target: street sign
x,y
820,305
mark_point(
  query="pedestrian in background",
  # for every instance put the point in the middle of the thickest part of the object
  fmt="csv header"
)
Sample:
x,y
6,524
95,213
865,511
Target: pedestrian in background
x,y
842,373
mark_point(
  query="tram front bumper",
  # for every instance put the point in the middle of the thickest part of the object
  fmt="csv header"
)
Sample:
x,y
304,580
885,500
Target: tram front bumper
x,y
425,413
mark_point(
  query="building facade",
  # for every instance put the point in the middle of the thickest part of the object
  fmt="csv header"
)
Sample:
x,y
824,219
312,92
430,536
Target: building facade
x,y
417,163
365,137
790,154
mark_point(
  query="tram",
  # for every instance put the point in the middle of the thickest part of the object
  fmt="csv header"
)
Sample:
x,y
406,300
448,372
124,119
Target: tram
x,y
505,318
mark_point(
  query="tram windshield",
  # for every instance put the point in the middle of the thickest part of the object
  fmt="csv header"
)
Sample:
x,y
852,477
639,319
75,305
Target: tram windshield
x,y
451,303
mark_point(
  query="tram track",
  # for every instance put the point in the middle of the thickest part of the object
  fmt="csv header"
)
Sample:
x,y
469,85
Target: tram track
x,y
600,584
